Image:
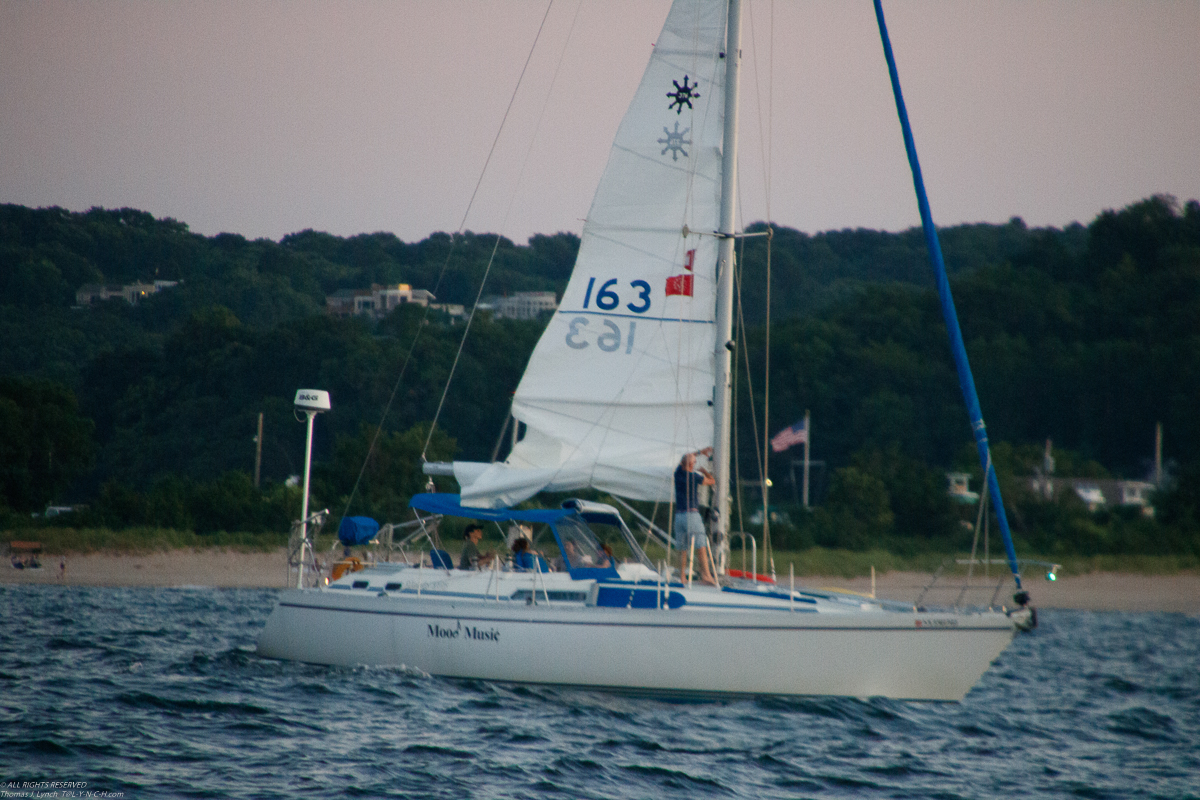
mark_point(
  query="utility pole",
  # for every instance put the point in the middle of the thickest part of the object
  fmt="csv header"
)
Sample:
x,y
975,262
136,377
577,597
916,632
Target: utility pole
x,y
258,452
1158,473
807,444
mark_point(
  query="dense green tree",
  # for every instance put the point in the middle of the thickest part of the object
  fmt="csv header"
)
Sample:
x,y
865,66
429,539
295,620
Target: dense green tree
x,y
1085,335
374,473
225,502
1178,509
44,442
857,513
920,506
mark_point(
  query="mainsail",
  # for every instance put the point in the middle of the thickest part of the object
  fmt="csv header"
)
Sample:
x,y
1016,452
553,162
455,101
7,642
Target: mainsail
x,y
621,383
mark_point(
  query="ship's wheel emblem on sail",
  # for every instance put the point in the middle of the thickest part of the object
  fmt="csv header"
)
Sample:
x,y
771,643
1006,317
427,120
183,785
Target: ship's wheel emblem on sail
x,y
675,142
683,95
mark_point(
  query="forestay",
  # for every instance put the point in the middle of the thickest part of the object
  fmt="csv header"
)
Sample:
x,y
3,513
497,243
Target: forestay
x,y
621,383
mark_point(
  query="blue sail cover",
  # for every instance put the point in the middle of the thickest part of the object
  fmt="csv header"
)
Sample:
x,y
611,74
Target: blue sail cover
x,y
357,530
450,505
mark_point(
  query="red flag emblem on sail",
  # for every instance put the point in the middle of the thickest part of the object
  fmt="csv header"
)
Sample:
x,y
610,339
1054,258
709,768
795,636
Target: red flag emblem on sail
x,y
690,261
679,284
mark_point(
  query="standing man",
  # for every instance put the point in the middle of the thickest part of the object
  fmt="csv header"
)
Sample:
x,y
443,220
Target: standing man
x,y
689,526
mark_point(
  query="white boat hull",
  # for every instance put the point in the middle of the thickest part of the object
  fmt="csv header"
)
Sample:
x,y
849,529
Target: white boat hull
x,y
863,653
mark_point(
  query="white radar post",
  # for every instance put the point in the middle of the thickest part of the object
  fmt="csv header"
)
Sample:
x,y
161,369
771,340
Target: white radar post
x,y
311,402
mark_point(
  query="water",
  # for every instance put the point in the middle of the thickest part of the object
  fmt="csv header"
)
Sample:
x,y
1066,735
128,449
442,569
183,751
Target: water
x,y
158,693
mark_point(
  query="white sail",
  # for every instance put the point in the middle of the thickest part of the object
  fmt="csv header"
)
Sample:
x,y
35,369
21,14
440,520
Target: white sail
x,y
621,383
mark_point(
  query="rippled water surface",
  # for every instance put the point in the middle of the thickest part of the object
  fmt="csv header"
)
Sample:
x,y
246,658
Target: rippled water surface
x,y
158,693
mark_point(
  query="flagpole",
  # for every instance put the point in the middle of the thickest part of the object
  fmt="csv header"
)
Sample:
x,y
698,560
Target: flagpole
x,y
807,443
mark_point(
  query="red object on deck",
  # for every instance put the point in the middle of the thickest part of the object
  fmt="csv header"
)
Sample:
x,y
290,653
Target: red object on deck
x,y
737,573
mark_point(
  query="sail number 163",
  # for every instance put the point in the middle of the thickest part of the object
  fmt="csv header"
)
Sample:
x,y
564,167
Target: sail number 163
x,y
609,339
607,299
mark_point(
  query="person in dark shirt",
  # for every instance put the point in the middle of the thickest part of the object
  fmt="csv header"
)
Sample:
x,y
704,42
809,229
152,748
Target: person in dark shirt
x,y
689,525
471,557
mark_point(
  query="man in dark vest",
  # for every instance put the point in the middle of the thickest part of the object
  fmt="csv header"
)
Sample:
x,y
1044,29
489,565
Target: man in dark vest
x,y
689,525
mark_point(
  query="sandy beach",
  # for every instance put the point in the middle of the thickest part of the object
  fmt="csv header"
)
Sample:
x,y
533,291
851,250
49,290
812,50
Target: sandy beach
x,y
207,567
1098,591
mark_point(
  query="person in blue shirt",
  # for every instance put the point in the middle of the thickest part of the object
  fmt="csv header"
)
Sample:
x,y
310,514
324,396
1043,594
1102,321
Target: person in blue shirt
x,y
689,525
524,556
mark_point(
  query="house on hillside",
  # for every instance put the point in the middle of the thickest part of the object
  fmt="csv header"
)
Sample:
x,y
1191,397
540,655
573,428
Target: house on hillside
x,y
130,292
959,488
456,311
1097,493
376,302
521,305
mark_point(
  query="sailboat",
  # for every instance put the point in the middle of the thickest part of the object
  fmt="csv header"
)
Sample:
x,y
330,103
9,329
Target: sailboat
x,y
632,373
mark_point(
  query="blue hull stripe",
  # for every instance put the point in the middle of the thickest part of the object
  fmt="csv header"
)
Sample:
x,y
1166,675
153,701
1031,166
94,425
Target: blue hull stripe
x,y
526,621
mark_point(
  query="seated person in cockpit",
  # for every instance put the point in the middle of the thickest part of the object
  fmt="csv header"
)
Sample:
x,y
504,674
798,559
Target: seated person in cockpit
x,y
471,558
571,557
523,556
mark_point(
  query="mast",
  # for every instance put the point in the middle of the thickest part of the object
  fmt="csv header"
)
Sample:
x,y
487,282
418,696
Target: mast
x,y
725,265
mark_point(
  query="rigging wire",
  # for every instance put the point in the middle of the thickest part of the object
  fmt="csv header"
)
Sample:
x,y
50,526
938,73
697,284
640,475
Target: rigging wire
x,y
765,142
438,283
491,259
767,546
768,550
765,138
979,525
758,459
741,337
500,436
461,344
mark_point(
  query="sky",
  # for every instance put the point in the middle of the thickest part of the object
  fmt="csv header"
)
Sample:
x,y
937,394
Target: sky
x,y
267,118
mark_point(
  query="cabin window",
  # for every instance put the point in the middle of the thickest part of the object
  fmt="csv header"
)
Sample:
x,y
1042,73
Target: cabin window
x,y
580,548
523,595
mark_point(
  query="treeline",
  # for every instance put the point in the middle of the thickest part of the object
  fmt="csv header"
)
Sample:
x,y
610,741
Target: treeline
x,y
146,413
1088,337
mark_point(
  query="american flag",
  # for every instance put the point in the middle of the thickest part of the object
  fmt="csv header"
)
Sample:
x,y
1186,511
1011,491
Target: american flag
x,y
789,436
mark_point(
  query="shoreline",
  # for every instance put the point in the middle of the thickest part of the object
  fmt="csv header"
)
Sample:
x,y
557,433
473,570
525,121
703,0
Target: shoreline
x,y
1097,591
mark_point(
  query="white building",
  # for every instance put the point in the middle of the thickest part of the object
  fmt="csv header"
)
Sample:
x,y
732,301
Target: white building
x,y
524,305
376,302
130,292
959,488
456,311
1098,493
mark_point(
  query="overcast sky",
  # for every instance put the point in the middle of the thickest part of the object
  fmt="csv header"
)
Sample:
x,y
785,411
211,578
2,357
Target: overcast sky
x,y
265,118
